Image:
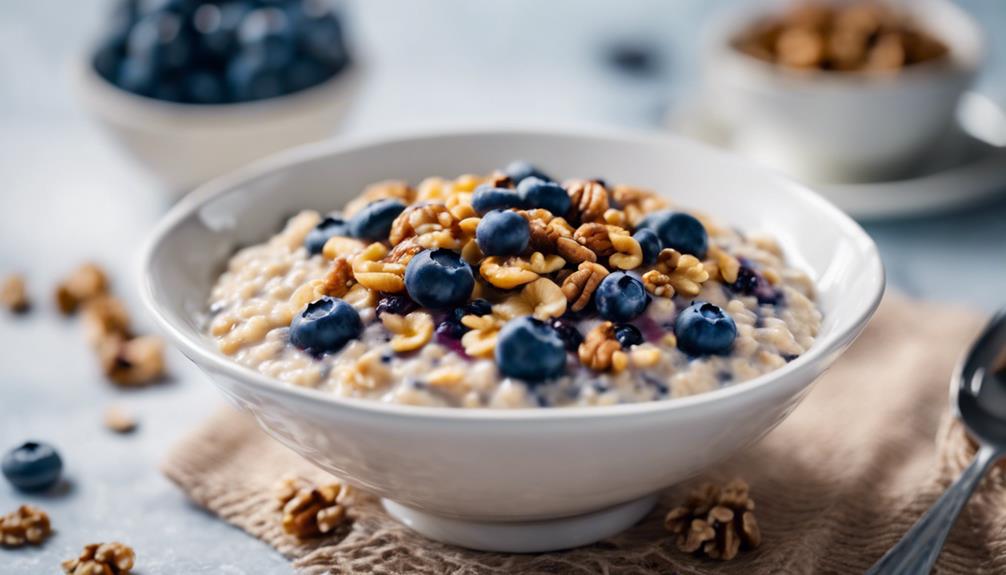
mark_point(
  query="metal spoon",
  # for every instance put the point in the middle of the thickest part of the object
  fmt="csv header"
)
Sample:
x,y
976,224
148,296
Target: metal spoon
x,y
979,400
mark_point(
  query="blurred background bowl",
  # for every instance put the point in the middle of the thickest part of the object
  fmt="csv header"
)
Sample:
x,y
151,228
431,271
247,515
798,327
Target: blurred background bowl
x,y
183,145
829,126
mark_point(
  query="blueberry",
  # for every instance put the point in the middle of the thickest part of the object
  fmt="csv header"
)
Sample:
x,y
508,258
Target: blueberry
x,y
502,233
704,329
325,326
304,74
161,38
750,282
32,466
478,306
628,335
439,279
650,243
450,329
397,304
108,57
329,227
570,336
373,222
679,231
537,193
267,31
620,297
518,170
203,87
249,78
323,40
530,350
218,27
138,76
487,198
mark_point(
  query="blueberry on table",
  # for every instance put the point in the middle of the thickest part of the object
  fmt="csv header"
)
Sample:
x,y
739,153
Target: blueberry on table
x,y
650,244
325,326
704,329
620,297
628,335
487,198
518,170
538,193
439,279
530,350
329,227
373,221
32,466
502,233
679,231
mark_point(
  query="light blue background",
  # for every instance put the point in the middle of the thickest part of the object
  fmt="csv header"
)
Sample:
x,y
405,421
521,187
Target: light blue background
x,y
68,195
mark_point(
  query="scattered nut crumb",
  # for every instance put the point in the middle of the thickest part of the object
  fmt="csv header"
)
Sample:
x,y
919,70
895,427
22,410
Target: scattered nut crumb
x,y
132,362
119,420
14,294
310,510
85,283
27,525
104,316
102,559
715,521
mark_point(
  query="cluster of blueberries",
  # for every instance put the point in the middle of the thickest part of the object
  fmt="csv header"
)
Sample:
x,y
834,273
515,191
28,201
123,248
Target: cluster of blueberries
x,y
527,348
220,51
32,466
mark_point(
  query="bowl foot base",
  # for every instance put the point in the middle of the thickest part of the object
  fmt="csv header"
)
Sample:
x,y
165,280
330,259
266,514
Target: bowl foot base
x,y
524,536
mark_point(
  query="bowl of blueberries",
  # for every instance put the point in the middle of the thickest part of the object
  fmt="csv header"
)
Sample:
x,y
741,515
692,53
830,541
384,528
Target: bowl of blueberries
x,y
195,88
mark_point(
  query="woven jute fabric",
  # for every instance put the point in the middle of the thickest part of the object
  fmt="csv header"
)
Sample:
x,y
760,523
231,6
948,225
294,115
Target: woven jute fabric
x,y
836,484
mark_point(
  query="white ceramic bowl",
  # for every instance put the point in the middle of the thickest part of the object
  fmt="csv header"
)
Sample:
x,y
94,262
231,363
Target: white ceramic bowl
x,y
184,145
831,125
524,479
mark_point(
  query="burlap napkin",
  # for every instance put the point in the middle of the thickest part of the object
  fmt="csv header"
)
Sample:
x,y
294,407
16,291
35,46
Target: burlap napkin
x,y
836,484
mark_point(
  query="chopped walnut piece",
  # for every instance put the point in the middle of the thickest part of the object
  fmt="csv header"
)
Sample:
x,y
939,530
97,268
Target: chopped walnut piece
x,y
589,198
372,272
86,282
573,251
580,285
26,525
636,202
715,521
310,510
338,246
600,351
505,273
105,316
411,332
132,362
675,274
119,420
498,179
339,278
480,339
628,253
721,266
102,559
541,264
393,189
594,237
545,299
421,219
14,294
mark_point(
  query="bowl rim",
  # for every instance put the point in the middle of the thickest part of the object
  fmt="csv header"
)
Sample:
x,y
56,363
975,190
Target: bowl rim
x,y
199,353
727,23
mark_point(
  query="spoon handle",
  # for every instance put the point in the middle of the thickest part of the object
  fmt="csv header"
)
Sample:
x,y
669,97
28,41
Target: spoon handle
x,y
917,551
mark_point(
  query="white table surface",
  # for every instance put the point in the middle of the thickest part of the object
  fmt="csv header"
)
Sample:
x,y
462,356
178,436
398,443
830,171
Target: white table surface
x,y
69,195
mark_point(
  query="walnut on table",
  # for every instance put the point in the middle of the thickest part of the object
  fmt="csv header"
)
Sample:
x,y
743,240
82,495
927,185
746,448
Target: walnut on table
x,y
85,283
26,525
715,521
311,510
102,559
14,294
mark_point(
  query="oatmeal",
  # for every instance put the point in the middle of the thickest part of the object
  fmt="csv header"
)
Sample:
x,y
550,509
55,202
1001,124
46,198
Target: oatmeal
x,y
512,290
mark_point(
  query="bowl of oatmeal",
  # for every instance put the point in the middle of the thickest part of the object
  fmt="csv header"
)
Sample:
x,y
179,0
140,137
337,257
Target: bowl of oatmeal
x,y
516,356
833,90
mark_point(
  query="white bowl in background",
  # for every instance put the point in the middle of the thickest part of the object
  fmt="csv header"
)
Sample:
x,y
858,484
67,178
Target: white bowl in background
x,y
523,479
183,145
838,126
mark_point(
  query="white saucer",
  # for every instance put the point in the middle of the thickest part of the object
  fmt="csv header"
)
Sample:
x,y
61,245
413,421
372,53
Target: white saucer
x,y
968,167
524,536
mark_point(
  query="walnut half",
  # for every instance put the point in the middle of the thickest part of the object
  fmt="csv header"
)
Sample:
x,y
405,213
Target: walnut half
x,y
26,525
310,510
101,559
715,521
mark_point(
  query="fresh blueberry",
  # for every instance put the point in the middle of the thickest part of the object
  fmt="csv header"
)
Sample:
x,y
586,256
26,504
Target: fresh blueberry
x,y
203,87
439,279
537,193
32,466
678,230
478,306
373,222
502,233
160,38
323,40
450,329
108,57
397,304
267,31
487,198
325,326
218,28
570,336
650,244
704,329
620,297
530,350
628,335
518,170
329,227
750,282
249,78
303,74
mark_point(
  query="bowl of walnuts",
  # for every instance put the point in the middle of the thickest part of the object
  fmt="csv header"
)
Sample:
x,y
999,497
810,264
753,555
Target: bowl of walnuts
x,y
840,90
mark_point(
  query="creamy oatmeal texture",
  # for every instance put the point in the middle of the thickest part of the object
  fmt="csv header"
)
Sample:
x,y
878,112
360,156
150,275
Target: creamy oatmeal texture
x,y
754,313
